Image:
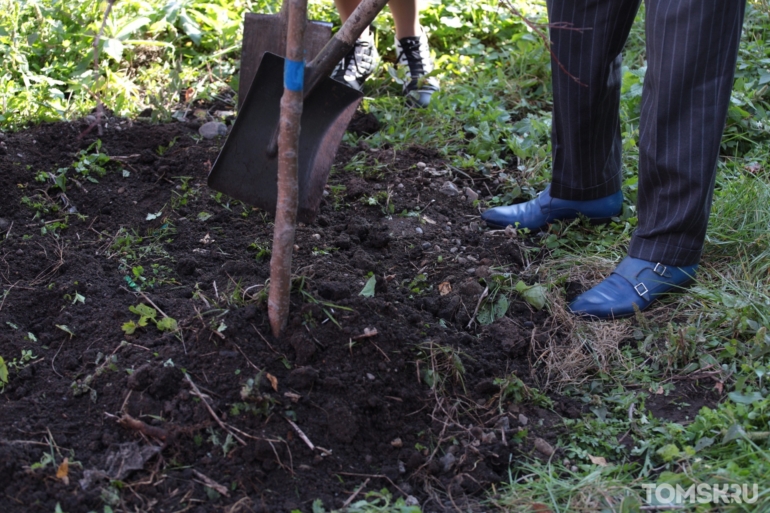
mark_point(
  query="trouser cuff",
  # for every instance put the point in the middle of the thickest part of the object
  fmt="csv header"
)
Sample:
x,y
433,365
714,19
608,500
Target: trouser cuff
x,y
658,250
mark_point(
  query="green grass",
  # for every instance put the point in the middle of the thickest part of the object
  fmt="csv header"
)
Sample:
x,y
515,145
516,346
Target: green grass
x,y
491,117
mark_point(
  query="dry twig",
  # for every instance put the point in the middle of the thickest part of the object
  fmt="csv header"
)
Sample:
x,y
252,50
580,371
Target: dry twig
x,y
202,397
99,106
129,422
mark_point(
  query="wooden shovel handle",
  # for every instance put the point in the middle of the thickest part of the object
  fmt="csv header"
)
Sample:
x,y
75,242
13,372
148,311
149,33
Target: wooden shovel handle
x,y
342,42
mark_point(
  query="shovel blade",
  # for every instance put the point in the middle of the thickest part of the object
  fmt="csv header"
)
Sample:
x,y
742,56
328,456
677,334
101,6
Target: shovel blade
x,y
243,168
267,33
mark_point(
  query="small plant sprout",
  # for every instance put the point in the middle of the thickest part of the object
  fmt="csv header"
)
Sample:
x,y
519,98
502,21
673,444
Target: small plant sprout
x,y
146,315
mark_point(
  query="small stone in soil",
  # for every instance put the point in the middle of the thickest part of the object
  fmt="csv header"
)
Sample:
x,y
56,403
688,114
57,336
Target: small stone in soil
x,y
523,420
449,189
369,376
425,245
418,230
471,195
471,270
448,461
4,224
212,129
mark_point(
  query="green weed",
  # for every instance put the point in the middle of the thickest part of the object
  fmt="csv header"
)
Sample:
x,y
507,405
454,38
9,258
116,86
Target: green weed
x,y
146,315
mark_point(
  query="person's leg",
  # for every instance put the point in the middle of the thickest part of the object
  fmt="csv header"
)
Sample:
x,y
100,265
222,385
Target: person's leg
x,y
587,37
345,8
363,59
692,47
413,52
587,40
406,18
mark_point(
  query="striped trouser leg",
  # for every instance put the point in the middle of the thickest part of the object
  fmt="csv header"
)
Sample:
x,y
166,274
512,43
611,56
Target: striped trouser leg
x,y
587,39
692,46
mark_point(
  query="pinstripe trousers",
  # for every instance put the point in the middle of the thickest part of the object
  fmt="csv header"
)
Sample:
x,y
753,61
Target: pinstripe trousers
x,y
692,47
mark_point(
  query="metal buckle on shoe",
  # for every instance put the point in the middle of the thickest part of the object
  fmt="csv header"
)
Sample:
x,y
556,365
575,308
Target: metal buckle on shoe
x,y
642,286
660,269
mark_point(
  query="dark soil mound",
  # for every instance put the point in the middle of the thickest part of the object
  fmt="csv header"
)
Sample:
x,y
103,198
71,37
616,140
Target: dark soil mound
x,y
392,391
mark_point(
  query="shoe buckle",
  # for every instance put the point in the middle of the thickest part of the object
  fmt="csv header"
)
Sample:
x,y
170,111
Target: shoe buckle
x,y
641,289
660,269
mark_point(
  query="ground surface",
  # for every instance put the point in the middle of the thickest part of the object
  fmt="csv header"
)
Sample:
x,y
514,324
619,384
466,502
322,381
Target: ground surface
x,y
413,408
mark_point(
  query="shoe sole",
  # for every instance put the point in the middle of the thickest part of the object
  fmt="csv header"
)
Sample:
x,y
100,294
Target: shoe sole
x,y
592,221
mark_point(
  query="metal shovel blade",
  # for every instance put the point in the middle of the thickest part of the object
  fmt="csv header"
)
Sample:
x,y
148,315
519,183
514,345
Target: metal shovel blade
x,y
243,168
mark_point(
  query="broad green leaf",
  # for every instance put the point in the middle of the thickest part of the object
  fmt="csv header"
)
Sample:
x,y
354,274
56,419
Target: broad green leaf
x,y
484,316
368,290
61,182
669,452
3,372
114,49
703,443
65,329
168,324
143,310
532,294
735,432
129,327
745,398
131,27
190,27
501,307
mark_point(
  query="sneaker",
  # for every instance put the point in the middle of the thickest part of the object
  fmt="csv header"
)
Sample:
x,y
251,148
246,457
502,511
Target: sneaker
x,y
414,53
358,64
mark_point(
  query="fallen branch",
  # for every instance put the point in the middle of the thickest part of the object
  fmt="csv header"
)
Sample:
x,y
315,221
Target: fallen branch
x,y
355,494
129,422
478,305
368,332
207,481
302,435
196,392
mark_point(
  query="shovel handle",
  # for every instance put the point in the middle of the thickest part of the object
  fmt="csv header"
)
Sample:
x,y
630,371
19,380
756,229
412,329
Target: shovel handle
x,y
342,42
334,51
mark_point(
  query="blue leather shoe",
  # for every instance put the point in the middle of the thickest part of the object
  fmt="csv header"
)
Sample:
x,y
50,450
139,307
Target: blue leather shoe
x,y
633,282
539,212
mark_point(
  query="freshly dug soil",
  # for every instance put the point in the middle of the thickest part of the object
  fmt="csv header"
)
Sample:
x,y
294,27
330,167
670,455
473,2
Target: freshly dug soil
x,y
393,389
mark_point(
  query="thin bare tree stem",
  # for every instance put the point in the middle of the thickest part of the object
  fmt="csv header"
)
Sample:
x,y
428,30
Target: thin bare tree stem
x,y
536,28
288,188
99,106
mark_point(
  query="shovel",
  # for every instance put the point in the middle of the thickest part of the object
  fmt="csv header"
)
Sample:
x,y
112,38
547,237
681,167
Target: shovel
x,y
246,168
267,33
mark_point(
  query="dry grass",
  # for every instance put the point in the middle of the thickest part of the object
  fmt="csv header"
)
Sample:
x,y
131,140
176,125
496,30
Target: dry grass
x,y
571,350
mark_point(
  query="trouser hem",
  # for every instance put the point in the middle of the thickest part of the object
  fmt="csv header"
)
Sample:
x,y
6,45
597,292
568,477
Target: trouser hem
x,y
658,250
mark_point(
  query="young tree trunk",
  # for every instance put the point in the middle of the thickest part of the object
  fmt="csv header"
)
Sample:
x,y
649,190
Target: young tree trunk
x,y
288,149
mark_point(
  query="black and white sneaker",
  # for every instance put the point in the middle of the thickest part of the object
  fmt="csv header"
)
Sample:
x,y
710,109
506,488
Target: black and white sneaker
x,y
414,54
358,64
